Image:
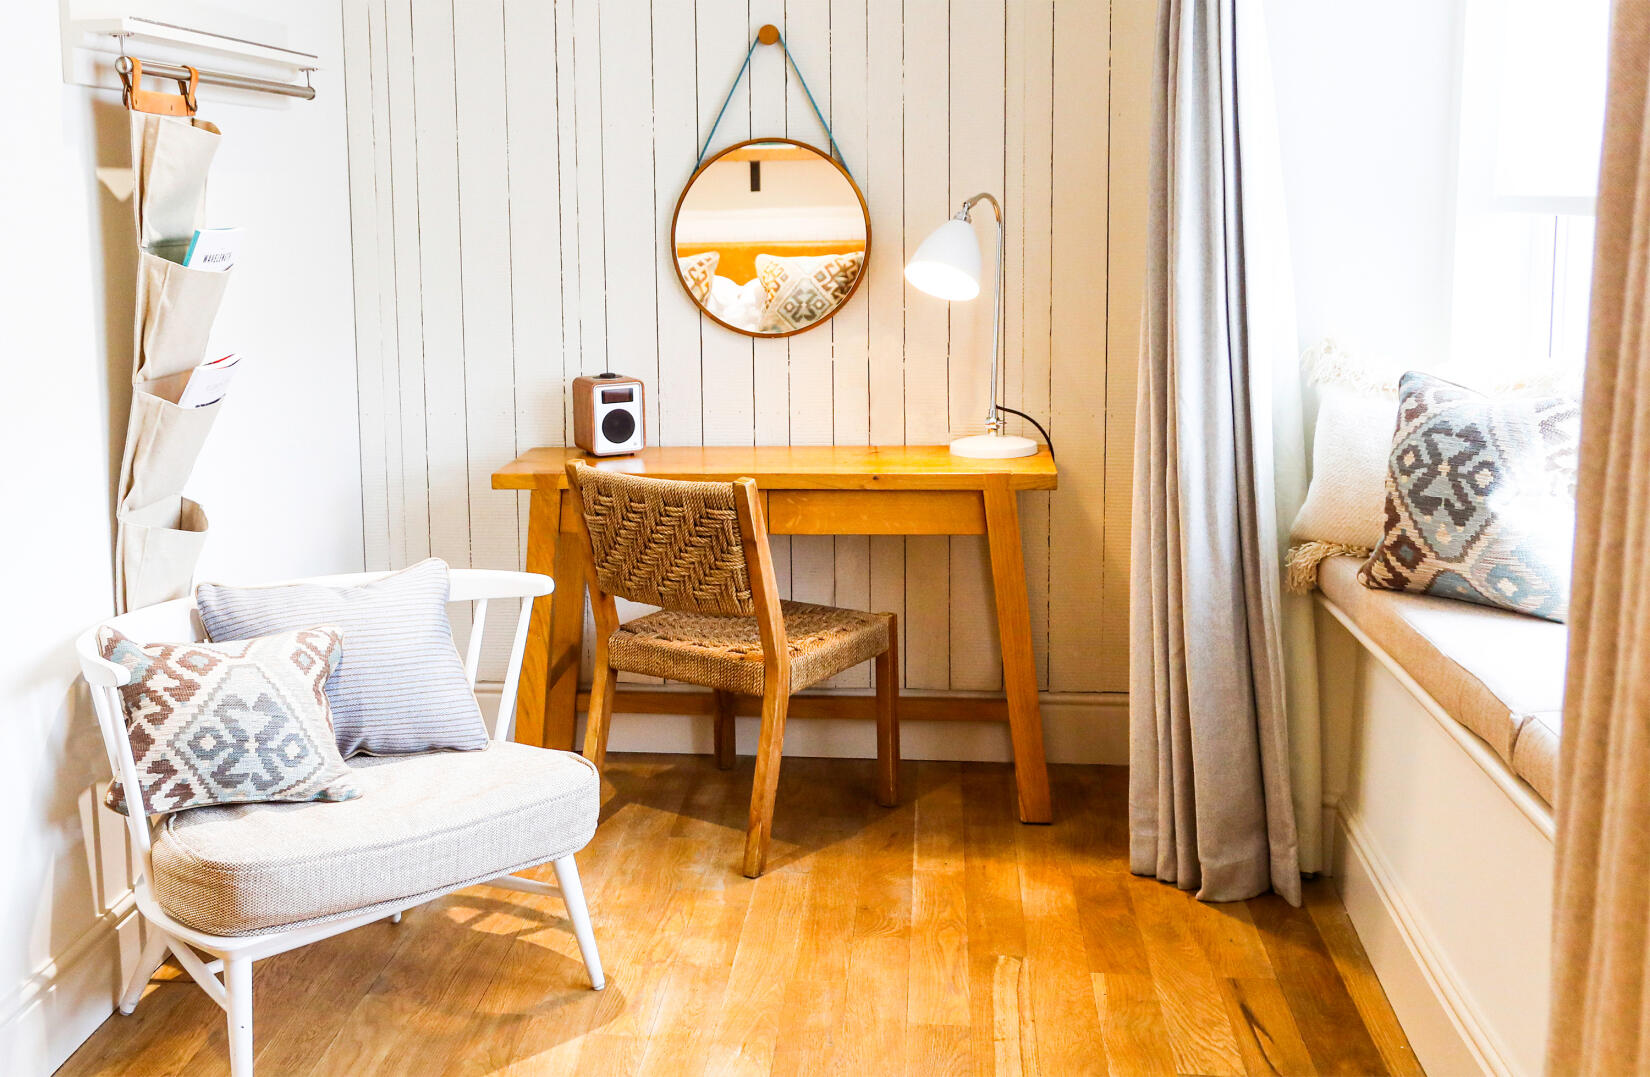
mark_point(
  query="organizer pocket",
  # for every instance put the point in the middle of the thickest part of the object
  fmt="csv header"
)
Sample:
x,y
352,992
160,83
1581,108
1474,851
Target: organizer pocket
x,y
162,443
171,157
175,310
159,545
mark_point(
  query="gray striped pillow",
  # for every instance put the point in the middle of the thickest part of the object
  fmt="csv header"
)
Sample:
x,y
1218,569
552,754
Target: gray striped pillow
x,y
401,687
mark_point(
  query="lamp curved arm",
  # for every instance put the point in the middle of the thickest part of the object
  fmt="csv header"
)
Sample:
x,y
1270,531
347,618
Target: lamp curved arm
x,y
994,420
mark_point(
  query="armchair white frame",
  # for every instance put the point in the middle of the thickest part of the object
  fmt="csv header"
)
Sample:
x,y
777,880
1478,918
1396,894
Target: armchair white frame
x,y
232,956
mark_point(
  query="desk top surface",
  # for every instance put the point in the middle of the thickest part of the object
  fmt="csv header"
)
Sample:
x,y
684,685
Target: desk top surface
x,y
793,467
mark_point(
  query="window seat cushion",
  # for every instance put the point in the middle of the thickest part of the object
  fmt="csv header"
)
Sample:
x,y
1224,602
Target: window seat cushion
x,y
1500,674
1535,756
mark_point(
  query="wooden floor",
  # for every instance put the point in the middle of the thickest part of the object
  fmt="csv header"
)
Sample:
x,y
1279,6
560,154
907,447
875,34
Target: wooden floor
x,y
937,938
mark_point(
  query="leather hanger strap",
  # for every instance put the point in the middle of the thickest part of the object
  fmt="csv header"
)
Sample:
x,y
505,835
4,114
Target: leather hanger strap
x,y
156,102
769,35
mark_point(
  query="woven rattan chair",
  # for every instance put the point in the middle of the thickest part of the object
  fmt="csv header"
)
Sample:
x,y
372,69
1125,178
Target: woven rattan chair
x,y
699,551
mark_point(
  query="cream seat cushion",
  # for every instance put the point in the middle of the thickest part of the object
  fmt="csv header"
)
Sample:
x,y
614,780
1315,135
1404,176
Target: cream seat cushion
x,y
424,824
1535,756
1492,670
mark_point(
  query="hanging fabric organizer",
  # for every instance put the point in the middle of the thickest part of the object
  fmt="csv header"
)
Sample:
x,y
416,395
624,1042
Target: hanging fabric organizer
x,y
159,532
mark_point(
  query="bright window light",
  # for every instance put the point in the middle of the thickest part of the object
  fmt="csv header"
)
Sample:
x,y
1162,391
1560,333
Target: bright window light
x,y
1531,129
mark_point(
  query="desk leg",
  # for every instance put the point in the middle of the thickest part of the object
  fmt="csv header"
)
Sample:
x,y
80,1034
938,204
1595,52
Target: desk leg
x,y
566,645
550,668
543,512
1025,720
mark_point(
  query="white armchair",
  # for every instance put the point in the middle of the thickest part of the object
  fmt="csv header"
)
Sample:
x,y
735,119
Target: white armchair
x,y
244,882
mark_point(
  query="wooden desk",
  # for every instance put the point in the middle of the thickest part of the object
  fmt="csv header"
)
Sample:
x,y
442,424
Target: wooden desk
x,y
807,490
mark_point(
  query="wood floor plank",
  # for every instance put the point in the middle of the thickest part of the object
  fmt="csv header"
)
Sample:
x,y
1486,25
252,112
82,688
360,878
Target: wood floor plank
x,y
996,921
1187,989
749,1030
1069,1038
939,981
1131,1020
1226,934
1013,1028
1323,1008
873,1035
1335,928
936,937
1111,934
938,1051
1266,1031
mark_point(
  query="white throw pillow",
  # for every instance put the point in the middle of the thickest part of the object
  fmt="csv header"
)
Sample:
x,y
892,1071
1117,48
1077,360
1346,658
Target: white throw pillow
x,y
739,305
1345,503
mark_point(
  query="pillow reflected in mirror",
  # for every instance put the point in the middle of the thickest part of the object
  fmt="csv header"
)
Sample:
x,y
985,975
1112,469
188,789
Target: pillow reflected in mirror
x,y
797,292
739,305
698,270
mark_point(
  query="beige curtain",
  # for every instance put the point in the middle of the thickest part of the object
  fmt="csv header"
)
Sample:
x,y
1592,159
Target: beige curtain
x,y
1601,915
1210,803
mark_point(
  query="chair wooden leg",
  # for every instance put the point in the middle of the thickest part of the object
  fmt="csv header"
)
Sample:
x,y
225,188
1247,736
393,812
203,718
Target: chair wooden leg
x,y
887,679
601,712
154,952
766,785
237,982
572,894
727,748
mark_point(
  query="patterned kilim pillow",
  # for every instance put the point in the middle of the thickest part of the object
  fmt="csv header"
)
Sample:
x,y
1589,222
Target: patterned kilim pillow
x,y
797,292
1480,498
230,723
697,270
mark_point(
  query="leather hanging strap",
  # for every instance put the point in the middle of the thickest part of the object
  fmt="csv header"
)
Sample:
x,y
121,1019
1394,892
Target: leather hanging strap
x,y
156,102
770,35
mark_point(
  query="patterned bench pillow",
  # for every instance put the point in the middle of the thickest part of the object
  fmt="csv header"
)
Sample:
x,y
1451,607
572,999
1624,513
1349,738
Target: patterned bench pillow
x,y
230,723
1480,498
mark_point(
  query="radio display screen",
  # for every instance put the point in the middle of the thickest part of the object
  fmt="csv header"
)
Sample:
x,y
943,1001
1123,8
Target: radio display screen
x,y
618,396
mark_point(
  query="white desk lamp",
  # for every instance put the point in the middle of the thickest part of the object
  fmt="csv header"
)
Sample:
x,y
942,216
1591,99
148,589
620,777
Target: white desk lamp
x,y
947,266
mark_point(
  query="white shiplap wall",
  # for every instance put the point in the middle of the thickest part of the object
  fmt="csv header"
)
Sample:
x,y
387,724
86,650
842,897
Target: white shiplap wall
x,y
513,167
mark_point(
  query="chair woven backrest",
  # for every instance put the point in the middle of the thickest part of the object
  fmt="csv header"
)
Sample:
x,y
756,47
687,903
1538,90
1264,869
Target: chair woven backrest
x,y
666,542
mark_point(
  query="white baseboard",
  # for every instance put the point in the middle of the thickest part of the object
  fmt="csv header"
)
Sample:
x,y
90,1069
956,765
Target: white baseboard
x,y
1448,1033
68,996
1087,727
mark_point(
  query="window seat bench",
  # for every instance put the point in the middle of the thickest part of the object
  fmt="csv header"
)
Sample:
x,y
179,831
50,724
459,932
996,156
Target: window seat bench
x,y
1440,724
1499,674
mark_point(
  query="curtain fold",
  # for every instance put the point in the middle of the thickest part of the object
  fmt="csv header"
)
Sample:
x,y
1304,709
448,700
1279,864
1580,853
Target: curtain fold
x,y
1600,1020
1211,804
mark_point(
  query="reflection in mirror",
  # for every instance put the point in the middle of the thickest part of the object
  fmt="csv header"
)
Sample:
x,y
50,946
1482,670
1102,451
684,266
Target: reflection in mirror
x,y
770,237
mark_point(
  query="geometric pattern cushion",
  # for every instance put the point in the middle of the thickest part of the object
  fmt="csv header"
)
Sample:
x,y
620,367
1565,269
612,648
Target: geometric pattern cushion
x,y
697,271
230,723
424,825
403,688
797,292
1479,498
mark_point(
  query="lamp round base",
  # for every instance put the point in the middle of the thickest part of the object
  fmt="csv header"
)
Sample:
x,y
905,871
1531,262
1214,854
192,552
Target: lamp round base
x,y
993,447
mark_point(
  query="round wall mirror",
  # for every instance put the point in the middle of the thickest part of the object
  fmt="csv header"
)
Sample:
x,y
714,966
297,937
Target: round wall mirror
x,y
770,237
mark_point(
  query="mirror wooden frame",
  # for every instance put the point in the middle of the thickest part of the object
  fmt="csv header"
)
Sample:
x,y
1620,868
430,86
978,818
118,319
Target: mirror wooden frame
x,y
864,209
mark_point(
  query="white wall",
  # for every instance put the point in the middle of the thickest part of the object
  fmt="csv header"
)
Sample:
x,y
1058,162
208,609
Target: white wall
x,y
514,167
280,480
1367,119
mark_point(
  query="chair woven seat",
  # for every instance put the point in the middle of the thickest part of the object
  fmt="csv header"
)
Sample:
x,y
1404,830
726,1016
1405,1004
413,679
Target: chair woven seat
x,y
725,652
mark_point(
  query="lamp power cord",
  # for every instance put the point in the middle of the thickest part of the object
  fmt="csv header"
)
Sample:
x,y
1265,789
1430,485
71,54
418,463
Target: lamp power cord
x,y
1048,440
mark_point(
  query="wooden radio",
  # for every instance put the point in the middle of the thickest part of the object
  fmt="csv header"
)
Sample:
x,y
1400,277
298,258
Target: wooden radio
x,y
607,415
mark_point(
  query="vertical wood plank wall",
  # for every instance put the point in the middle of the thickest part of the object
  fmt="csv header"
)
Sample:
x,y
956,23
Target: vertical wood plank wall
x,y
513,168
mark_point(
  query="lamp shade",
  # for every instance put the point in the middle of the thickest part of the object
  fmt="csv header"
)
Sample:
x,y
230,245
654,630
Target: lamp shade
x,y
947,265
